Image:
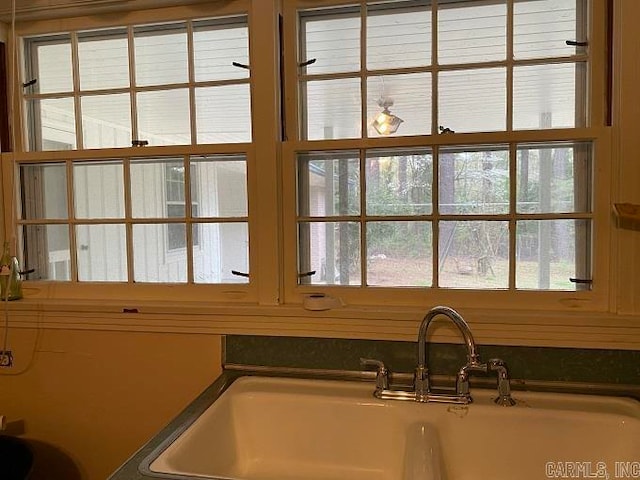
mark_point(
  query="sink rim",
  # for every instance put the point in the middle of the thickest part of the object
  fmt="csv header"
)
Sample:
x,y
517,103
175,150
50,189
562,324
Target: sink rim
x,y
133,468
189,416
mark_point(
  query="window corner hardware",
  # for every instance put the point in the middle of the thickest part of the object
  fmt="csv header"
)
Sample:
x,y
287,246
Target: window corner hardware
x,y
30,83
139,143
583,281
307,274
241,65
574,43
308,62
239,274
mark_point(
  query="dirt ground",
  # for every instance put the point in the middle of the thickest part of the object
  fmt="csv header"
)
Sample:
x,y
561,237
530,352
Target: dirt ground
x,y
462,273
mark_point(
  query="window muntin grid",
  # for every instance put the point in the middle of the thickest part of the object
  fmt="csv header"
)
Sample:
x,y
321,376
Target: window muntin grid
x,y
477,232
116,218
464,83
162,84
122,225
468,74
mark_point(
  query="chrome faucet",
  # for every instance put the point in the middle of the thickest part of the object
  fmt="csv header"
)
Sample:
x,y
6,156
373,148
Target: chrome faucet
x,y
421,384
382,373
504,386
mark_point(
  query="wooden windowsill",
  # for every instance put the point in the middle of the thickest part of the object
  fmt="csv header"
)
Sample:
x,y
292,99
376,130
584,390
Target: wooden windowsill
x,y
490,326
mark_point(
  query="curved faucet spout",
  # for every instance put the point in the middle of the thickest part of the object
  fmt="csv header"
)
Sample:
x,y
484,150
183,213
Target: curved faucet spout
x,y
456,318
422,372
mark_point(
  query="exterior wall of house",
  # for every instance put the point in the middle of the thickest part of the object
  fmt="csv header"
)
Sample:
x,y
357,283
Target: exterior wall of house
x,y
220,191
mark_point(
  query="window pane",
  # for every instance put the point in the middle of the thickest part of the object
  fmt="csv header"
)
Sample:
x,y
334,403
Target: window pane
x,y
329,184
333,42
474,254
473,100
103,60
163,117
56,120
471,31
216,47
398,38
554,178
332,250
176,232
46,250
544,96
44,191
541,28
106,121
98,190
53,63
219,186
223,114
333,109
224,247
399,182
101,253
406,96
153,259
161,55
174,182
154,185
474,181
549,252
399,254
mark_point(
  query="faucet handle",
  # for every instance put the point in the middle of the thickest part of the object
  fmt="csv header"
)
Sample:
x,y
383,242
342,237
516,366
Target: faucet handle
x,y
504,387
382,374
462,378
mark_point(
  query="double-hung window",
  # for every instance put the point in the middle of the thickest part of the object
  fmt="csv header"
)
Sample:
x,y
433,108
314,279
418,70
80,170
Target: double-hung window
x,y
443,149
137,140
428,151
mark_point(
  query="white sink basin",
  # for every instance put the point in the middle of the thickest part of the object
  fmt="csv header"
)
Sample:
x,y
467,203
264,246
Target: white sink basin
x,y
289,429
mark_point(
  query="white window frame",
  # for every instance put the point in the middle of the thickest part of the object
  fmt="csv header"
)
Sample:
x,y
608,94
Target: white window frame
x,y
257,160
596,131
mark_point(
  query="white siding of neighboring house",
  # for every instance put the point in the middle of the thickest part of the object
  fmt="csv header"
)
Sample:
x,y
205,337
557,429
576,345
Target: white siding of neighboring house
x,y
102,248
